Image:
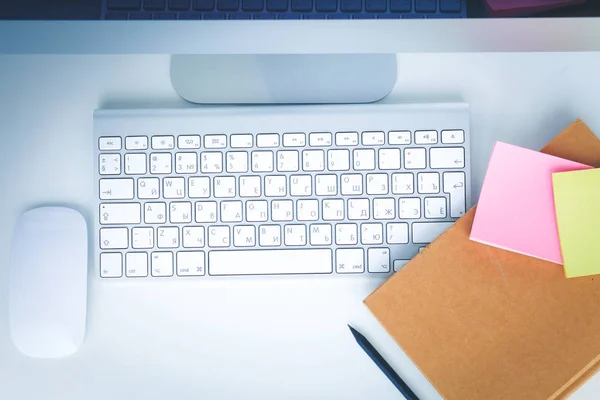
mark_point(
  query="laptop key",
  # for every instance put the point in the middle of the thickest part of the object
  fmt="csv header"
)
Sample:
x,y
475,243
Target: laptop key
x,y
327,5
228,5
351,5
425,5
123,4
400,5
450,6
252,5
179,5
376,5
277,5
154,5
302,5
204,5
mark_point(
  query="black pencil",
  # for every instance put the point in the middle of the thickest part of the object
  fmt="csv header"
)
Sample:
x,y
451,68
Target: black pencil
x,y
383,365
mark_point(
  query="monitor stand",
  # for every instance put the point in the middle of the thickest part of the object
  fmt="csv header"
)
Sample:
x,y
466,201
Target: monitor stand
x,y
283,78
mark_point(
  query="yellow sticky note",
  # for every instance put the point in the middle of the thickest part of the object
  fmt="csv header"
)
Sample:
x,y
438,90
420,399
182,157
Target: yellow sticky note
x,y
577,204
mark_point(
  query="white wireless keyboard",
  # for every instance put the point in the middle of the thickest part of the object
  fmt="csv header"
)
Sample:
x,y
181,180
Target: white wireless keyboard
x,y
357,189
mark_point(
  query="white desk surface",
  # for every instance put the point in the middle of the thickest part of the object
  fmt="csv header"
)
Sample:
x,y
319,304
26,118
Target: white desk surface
x,y
242,339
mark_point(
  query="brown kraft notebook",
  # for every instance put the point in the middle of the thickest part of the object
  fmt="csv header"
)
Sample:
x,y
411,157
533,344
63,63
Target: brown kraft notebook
x,y
484,323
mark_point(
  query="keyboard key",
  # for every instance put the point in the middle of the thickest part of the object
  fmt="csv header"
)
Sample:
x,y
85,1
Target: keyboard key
x,y
228,5
349,261
113,238
218,236
186,163
401,6
211,162
142,238
241,141
237,161
148,188
190,263
294,140
231,211
193,236
155,213
154,5
267,140
428,182
427,232
402,183
244,236
277,5
308,210
377,184
116,189
384,208
326,185
398,264
414,158
199,187
204,5
215,141
397,233
389,159
288,161
295,235
275,186
135,164
351,5
454,184
162,263
302,5
160,163
298,261
453,137
352,184
136,143
262,161
425,5
167,237
451,6
281,210
373,138
346,234
346,138
120,213
378,260
358,209
111,265
320,234
252,5
136,265
426,137
300,185
123,4
364,159
179,5
338,160
313,160
447,157
250,186
333,209
110,164
326,5
371,233
409,208
376,5
188,142
206,211
163,142
180,212
109,143
256,210
173,188
399,137
320,139
435,207
224,186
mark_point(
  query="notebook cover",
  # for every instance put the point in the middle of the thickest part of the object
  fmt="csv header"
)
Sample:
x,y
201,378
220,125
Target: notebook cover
x,y
577,196
516,205
486,323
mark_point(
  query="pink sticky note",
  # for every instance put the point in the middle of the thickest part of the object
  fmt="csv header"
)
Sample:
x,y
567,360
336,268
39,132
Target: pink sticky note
x,y
516,206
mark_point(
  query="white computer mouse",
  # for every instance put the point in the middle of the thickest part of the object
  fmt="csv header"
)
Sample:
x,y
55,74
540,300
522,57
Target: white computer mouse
x,y
48,282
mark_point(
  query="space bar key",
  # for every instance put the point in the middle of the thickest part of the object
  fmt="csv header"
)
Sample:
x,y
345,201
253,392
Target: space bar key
x,y
270,262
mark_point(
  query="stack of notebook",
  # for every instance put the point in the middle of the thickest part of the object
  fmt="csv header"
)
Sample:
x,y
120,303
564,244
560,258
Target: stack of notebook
x,y
483,322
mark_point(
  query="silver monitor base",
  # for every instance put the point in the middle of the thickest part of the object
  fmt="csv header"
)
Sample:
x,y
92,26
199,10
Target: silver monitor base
x,y
283,78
